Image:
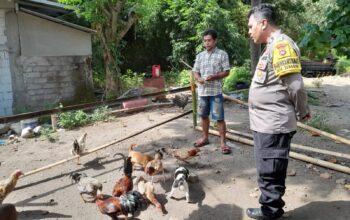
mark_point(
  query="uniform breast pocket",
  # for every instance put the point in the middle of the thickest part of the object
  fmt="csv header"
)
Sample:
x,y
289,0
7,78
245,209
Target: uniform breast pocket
x,y
260,75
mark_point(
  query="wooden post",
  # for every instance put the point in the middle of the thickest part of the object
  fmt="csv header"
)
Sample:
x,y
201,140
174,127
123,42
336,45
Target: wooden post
x,y
54,118
194,100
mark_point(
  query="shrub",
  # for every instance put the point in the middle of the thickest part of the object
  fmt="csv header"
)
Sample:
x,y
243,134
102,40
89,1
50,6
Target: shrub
x,y
130,80
185,78
237,75
320,121
343,65
101,114
73,119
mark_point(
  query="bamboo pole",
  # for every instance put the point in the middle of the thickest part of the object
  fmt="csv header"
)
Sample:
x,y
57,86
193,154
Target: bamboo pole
x,y
326,134
302,125
135,109
292,154
194,94
298,146
104,146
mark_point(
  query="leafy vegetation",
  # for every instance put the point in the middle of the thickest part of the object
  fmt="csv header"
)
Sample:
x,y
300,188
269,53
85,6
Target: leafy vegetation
x,y
237,75
343,65
73,119
48,133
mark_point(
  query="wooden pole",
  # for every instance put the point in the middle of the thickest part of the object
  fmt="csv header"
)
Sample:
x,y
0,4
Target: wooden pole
x,y
298,146
301,125
194,94
292,154
104,146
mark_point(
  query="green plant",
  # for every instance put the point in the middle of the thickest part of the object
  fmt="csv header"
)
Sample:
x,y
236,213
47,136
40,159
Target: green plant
x,y
185,78
73,119
320,121
237,75
313,99
131,80
47,133
101,114
343,65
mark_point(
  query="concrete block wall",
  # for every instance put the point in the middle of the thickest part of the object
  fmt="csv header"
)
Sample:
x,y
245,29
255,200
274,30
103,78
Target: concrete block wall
x,y
6,93
49,80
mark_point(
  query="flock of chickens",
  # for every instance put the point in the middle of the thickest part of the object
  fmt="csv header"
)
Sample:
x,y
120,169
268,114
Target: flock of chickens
x,y
127,196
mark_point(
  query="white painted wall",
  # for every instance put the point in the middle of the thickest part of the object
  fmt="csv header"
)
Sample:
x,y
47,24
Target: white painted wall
x,y
40,37
6,93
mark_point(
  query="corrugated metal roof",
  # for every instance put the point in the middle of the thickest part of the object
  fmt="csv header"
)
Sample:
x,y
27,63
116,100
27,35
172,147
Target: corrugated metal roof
x,y
68,24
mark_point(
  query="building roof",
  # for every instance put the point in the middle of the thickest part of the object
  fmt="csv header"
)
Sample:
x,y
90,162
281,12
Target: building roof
x,y
49,10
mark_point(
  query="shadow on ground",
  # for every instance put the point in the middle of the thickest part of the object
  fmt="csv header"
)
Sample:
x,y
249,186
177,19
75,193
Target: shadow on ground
x,y
335,210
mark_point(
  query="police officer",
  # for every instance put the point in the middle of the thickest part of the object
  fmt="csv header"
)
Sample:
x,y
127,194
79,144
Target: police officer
x,y
277,99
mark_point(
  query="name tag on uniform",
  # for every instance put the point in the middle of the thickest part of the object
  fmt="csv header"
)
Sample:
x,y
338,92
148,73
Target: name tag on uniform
x,y
260,74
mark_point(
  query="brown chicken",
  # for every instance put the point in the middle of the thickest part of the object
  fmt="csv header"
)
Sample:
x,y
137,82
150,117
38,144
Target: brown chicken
x,y
138,157
147,189
79,146
112,206
182,154
155,166
8,212
6,186
124,184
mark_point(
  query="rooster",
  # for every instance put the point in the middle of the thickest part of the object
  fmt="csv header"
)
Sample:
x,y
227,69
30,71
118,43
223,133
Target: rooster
x,y
6,186
155,166
8,212
147,189
112,206
124,184
182,154
180,100
86,185
79,146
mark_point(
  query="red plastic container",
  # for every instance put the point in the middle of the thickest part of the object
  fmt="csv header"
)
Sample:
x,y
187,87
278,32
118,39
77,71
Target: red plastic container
x,y
156,71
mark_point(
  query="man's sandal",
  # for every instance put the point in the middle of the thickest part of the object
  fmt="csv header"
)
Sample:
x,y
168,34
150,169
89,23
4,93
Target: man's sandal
x,y
225,150
200,143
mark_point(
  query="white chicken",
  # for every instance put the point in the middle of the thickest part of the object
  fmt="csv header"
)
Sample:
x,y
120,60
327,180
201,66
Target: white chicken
x,y
79,147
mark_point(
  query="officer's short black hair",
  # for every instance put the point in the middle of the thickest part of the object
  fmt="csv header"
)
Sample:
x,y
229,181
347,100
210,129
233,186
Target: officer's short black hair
x,y
210,32
264,11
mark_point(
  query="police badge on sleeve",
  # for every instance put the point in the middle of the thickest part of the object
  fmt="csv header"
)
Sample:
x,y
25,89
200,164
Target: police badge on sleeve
x,y
285,59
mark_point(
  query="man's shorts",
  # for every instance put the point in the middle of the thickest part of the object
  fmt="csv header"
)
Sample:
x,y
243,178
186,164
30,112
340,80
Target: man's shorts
x,y
213,105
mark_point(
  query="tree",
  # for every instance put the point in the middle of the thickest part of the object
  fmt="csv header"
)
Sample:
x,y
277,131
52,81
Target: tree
x,y
112,19
332,32
255,49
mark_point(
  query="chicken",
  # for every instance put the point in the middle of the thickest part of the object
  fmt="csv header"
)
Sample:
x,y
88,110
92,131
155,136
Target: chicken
x,y
180,100
147,189
8,212
138,157
182,154
126,204
86,185
79,146
124,184
6,186
155,166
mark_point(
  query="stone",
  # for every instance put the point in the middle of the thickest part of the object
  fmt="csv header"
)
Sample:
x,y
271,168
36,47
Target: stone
x,y
4,128
292,173
326,175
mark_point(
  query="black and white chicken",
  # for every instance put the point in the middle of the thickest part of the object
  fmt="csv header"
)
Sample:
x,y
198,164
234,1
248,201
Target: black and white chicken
x,y
86,185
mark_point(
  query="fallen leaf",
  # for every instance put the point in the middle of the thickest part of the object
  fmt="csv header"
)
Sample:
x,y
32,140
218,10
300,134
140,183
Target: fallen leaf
x,y
314,134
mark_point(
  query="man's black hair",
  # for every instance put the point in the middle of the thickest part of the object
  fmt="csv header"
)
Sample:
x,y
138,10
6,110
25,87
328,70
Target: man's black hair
x,y
264,11
211,32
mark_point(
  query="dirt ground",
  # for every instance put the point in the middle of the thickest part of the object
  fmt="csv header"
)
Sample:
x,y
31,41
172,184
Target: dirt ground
x,y
227,183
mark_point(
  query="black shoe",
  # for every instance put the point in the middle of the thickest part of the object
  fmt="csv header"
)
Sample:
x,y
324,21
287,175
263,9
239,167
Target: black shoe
x,y
256,213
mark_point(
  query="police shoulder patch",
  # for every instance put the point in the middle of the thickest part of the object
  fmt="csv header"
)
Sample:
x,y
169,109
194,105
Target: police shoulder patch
x,y
285,59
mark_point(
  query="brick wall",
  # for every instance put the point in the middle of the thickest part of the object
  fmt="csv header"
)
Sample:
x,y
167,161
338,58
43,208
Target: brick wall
x,y
6,94
49,80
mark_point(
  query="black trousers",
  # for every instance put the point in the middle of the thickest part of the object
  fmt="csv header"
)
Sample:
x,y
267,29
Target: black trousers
x,y
271,158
